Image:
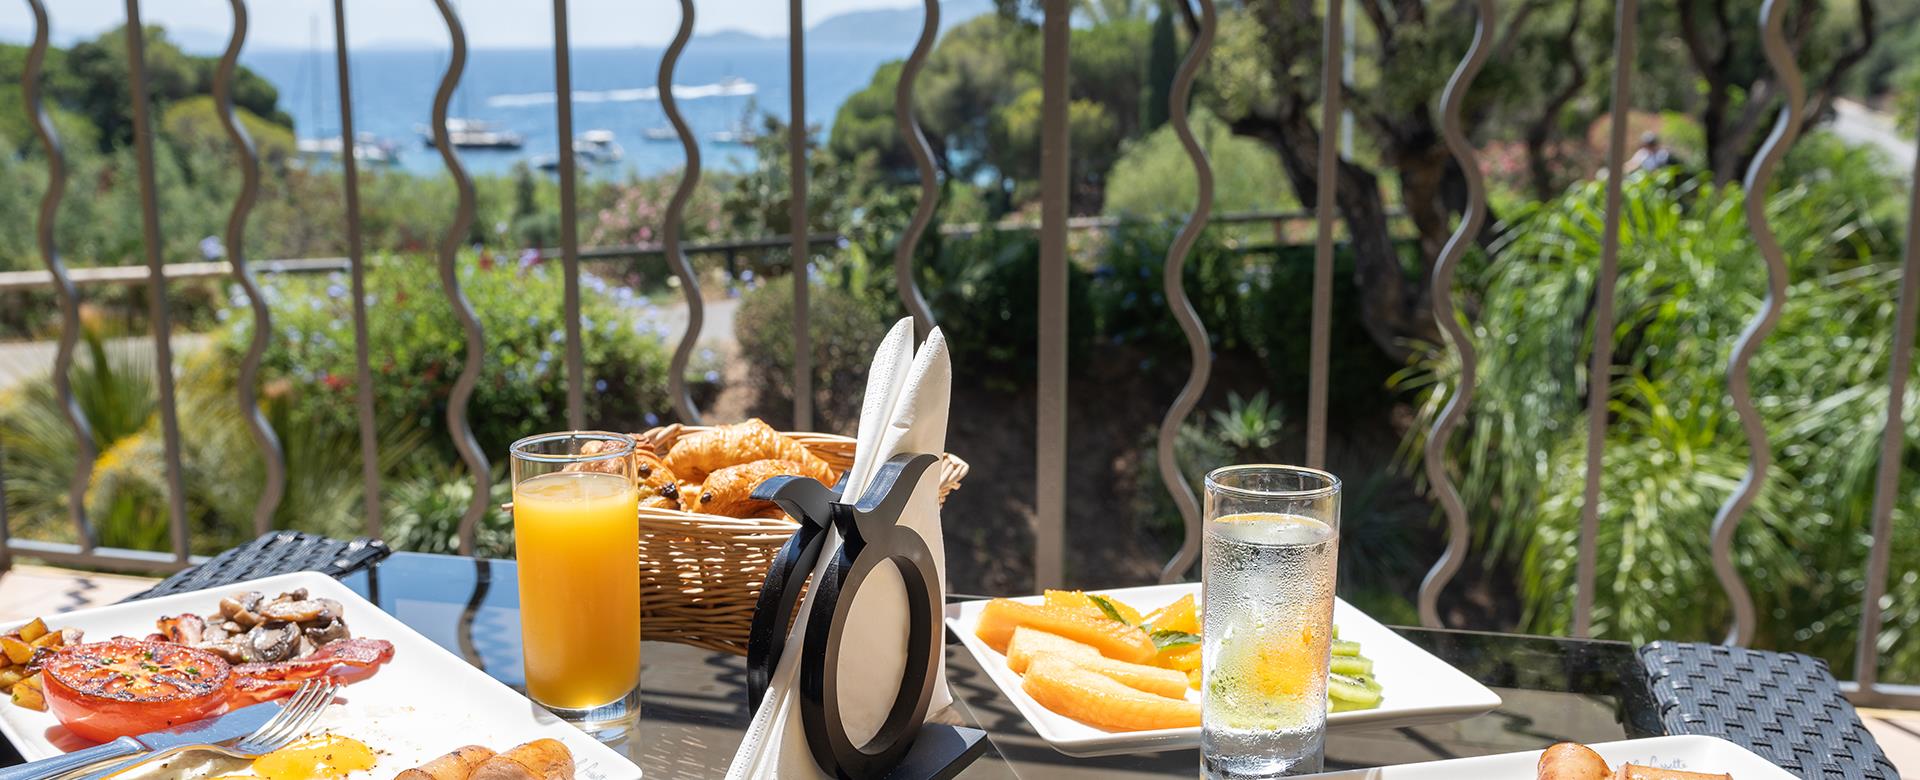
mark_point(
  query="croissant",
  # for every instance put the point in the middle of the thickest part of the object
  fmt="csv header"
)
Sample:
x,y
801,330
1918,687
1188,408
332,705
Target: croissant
x,y
650,472
729,490
695,456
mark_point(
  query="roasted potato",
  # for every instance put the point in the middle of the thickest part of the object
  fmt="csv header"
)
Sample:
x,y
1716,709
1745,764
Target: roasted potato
x,y
34,629
27,693
17,650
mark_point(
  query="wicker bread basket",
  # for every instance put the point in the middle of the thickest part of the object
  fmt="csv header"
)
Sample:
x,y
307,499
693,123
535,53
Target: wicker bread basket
x,y
700,574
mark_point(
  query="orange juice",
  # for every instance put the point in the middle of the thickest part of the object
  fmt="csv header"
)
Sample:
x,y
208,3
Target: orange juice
x,y
578,539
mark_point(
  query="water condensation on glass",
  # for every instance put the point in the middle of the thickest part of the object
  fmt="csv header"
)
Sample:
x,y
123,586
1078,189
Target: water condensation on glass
x,y
1268,597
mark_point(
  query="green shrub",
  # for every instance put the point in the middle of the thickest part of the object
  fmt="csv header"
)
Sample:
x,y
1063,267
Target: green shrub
x,y
417,349
1690,278
845,329
984,292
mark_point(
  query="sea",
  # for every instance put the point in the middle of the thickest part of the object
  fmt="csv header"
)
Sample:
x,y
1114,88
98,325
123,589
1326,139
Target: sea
x,y
722,85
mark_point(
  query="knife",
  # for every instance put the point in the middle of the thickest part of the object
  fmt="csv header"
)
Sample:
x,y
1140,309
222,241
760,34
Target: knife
x,y
209,731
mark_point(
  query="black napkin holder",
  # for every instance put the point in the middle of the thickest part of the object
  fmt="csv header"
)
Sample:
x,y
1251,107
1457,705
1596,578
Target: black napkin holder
x,y
905,747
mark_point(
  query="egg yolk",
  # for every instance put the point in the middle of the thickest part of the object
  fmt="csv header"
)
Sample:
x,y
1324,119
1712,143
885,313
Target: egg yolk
x,y
321,757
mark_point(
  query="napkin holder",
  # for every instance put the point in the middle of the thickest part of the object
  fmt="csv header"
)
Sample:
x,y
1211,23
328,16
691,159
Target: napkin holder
x,y
905,746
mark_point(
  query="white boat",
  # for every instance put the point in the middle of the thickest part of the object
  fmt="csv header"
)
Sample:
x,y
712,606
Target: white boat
x,y
663,133
476,134
598,147
367,148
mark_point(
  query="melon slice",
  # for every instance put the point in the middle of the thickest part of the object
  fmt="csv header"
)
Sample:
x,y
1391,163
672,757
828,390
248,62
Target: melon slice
x,y
1059,684
1029,642
1112,638
1152,679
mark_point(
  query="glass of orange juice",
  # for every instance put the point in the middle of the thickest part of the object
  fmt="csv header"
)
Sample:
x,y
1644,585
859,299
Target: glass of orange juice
x,y
577,535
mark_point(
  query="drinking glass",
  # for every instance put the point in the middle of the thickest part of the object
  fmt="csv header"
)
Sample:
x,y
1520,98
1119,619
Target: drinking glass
x,y
576,530
1272,534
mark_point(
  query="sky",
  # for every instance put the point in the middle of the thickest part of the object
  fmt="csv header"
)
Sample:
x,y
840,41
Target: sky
x,y
412,23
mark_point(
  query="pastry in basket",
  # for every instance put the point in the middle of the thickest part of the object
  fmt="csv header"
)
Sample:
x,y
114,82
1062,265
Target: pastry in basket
x,y
694,456
650,472
729,490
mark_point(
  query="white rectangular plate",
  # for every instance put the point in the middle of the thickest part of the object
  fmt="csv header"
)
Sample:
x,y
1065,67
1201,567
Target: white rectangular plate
x,y
1691,753
423,703
1419,687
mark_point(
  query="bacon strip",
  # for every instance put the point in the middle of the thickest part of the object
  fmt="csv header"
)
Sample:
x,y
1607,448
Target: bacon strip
x,y
344,659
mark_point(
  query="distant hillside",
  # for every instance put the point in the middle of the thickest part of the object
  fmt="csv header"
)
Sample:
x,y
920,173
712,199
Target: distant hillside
x,y
890,26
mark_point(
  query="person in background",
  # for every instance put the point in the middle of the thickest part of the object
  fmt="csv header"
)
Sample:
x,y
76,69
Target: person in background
x,y
1651,156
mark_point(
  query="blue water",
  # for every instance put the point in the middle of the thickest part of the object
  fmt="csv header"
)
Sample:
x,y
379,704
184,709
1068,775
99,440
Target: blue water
x,y
614,89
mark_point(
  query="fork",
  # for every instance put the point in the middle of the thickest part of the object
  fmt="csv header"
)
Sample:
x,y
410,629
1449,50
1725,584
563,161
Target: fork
x,y
293,721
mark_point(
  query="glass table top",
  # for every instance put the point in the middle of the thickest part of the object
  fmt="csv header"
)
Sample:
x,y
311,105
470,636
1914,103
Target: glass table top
x,y
693,701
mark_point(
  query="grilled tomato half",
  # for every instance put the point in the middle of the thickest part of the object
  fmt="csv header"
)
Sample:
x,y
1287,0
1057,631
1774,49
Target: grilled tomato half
x,y
122,687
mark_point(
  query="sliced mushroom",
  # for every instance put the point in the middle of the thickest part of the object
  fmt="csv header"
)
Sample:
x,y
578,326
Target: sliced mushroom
x,y
299,611
332,610
242,609
235,650
322,633
274,641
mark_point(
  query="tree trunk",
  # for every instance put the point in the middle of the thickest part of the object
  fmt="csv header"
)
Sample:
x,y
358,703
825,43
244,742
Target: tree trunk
x,y
1392,308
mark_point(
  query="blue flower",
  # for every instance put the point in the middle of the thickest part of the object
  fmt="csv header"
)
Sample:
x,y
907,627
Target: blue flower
x,y
713,376
545,356
336,291
600,385
652,419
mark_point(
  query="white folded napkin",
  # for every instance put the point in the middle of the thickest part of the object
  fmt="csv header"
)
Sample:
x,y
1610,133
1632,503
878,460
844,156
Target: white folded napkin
x,y
905,412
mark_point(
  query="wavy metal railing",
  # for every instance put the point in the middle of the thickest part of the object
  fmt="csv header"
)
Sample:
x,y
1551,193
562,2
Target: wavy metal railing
x,y
569,224
683,405
363,371
1050,403
1600,370
1449,320
63,288
249,379
797,214
157,290
916,140
1320,330
1174,282
1893,440
1726,523
457,425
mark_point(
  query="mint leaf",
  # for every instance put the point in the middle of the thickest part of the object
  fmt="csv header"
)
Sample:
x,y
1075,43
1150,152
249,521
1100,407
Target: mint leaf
x,y
1105,605
1166,638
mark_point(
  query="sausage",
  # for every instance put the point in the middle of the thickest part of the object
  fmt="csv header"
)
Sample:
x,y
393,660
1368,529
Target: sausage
x,y
458,765
1573,761
1638,772
541,759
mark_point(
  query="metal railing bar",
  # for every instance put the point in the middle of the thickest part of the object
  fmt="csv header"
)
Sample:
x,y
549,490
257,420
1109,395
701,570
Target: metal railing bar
x,y
1600,369
156,291
28,280
1320,330
84,452
457,425
797,214
1449,320
357,264
6,521
1050,419
903,282
1173,279
142,274
1882,695
1893,440
1726,522
683,406
65,554
248,381
569,227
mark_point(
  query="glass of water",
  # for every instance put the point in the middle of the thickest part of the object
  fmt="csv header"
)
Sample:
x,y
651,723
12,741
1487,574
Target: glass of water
x,y
1272,534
